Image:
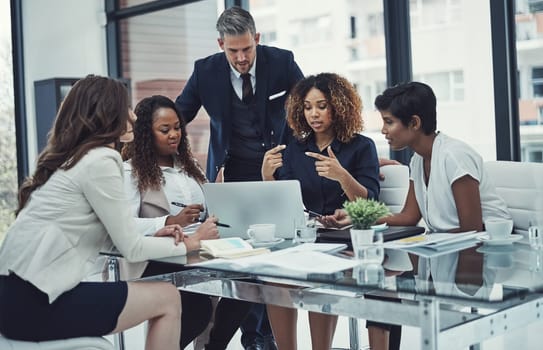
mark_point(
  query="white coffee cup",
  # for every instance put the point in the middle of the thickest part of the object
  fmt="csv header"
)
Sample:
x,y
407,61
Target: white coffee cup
x,y
262,232
498,228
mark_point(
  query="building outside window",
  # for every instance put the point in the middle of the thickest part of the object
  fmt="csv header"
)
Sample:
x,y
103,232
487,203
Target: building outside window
x,y
434,13
311,31
529,28
268,38
375,22
537,82
158,52
353,27
8,160
451,50
448,86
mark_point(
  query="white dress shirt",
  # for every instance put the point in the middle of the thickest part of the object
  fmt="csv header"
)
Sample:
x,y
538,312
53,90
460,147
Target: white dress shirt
x,y
237,80
178,187
451,160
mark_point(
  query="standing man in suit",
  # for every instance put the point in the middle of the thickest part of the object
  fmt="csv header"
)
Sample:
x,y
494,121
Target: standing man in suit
x,y
243,89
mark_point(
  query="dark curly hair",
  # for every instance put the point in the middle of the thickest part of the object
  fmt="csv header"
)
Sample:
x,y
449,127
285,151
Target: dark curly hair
x,y
142,150
341,95
93,114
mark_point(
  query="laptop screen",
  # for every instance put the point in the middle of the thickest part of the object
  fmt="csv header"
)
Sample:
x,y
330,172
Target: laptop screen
x,y
240,204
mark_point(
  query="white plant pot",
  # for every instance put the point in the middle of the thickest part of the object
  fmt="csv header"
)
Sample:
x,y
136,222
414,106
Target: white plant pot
x,y
359,237
368,246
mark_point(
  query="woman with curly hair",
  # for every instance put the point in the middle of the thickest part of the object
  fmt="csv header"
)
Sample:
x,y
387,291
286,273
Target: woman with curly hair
x,y
329,157
333,163
161,170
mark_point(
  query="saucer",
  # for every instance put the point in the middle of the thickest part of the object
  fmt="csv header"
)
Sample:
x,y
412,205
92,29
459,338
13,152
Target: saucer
x,y
380,227
265,244
508,240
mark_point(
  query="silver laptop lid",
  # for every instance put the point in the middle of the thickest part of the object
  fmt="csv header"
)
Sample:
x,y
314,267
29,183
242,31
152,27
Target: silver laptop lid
x,y
240,204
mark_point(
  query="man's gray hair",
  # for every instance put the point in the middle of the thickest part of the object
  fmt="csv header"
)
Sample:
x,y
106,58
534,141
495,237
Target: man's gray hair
x,y
235,21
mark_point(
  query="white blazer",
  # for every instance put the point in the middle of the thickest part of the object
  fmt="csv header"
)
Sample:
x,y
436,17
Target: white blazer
x,y
56,238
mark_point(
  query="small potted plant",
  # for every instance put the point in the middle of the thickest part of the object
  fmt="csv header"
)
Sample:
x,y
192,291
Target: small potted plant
x,y
365,212
367,244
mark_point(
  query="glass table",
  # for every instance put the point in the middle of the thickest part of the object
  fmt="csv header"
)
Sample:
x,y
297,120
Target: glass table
x,y
457,300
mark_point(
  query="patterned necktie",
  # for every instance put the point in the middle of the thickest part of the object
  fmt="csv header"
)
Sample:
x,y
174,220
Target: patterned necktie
x,y
247,88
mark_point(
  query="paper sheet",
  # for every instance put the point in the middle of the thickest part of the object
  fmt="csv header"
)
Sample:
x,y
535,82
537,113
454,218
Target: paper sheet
x,y
295,261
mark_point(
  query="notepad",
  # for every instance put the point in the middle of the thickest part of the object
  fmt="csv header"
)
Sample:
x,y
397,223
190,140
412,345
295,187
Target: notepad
x,y
230,248
436,244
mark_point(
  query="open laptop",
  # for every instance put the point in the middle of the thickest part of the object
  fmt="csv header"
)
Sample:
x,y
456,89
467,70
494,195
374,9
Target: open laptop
x,y
240,204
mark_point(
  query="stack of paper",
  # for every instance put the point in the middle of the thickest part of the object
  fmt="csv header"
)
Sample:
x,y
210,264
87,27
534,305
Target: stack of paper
x,y
436,244
299,261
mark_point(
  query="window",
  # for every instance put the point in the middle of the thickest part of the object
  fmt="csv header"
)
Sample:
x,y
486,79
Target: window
x,y
375,24
432,13
311,31
528,19
536,156
353,27
448,86
455,64
8,160
537,81
158,53
130,3
354,54
257,4
268,37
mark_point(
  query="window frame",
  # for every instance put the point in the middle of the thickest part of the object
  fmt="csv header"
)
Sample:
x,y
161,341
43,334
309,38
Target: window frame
x,y
398,56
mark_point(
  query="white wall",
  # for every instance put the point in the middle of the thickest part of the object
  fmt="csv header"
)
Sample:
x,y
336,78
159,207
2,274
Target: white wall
x,y
62,38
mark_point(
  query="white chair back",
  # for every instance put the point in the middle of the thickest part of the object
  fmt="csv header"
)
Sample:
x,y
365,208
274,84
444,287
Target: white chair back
x,y
394,187
520,184
85,343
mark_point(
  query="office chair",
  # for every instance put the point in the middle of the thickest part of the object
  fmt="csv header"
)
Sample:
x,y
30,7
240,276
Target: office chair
x,y
393,193
520,184
85,343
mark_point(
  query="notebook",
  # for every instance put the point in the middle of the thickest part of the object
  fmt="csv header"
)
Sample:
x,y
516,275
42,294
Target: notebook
x,y
240,204
391,233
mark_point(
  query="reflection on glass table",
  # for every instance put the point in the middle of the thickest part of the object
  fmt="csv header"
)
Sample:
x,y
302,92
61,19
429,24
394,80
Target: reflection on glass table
x,y
451,298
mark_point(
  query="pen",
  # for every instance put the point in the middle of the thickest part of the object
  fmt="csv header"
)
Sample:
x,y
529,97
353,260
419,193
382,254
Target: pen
x,y
312,213
199,220
217,223
179,204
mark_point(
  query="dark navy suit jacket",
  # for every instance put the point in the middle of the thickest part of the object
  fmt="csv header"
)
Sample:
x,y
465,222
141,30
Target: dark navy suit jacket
x,y
210,86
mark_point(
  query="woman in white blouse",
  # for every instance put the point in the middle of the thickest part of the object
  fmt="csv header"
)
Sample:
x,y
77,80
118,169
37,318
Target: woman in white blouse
x,y
71,207
161,170
448,187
